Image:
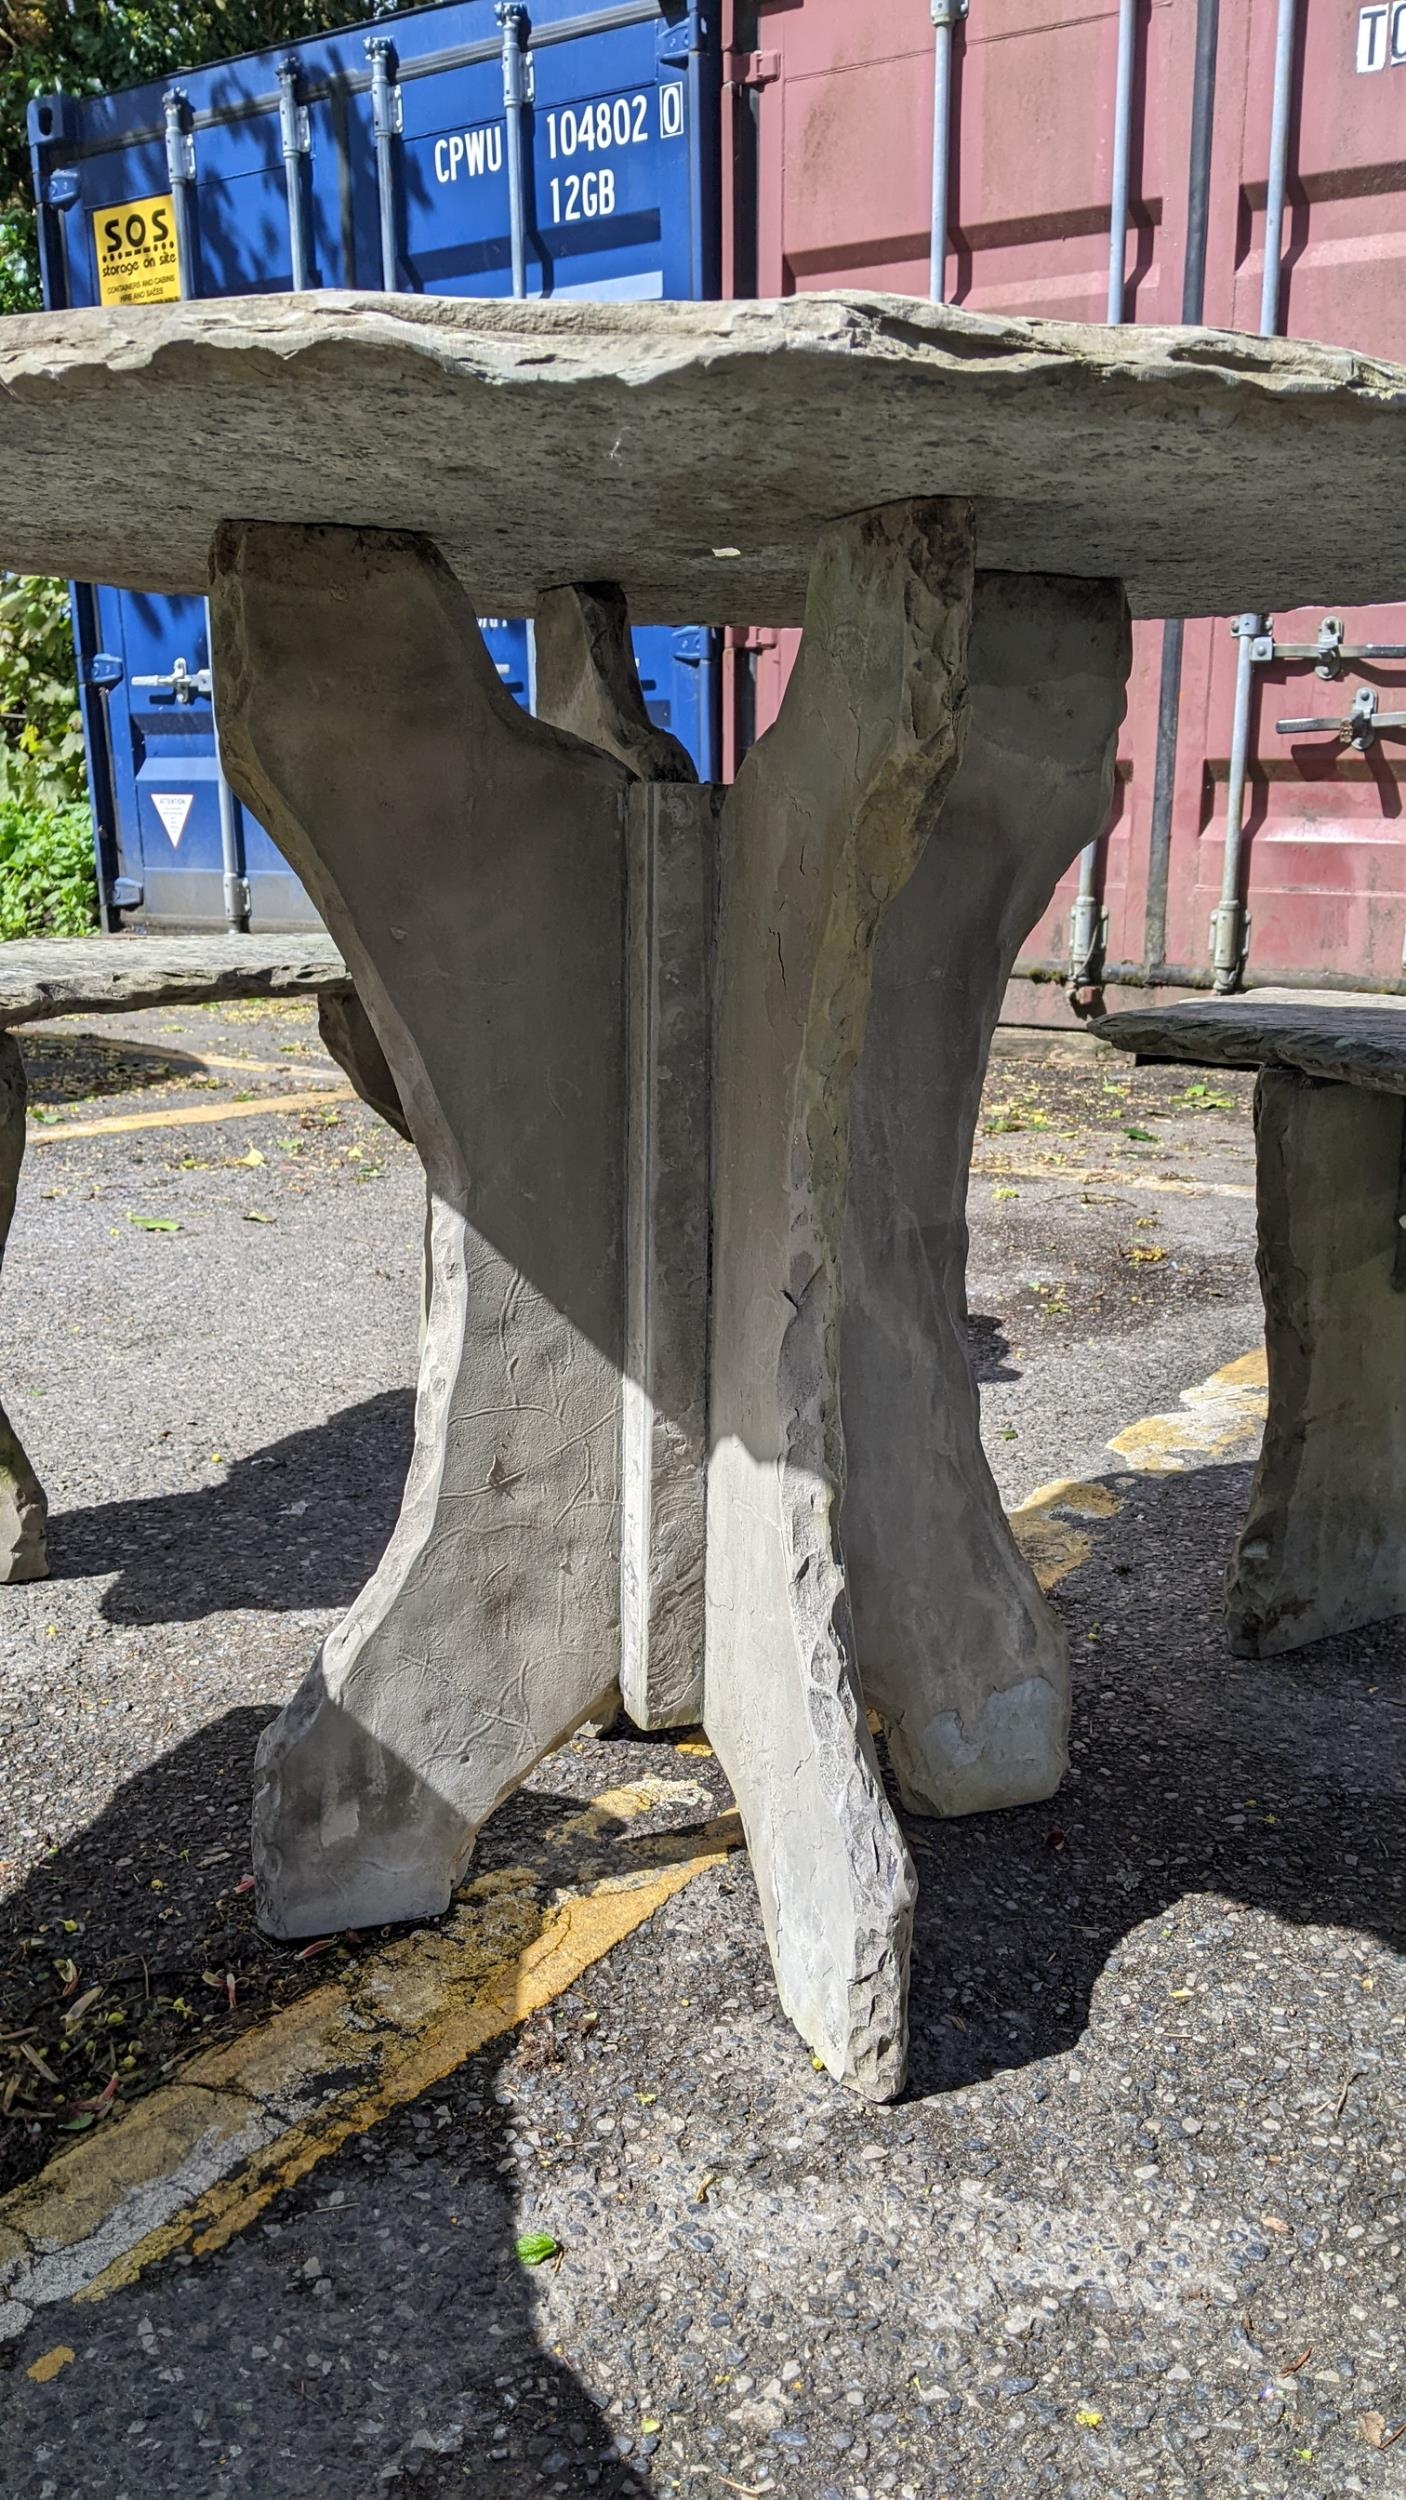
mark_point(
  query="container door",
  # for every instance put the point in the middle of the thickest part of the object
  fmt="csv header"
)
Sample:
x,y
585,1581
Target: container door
x,y
842,109
619,200
1324,865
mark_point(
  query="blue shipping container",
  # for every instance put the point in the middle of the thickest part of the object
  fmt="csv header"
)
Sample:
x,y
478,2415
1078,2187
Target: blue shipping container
x,y
467,149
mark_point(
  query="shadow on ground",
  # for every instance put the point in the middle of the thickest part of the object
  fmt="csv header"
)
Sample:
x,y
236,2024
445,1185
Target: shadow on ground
x,y
66,1070
380,2327
302,1523
989,1348
1279,1784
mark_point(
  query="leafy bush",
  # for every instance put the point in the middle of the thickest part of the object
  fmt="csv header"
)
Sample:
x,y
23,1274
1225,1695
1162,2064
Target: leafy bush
x,y
47,884
41,757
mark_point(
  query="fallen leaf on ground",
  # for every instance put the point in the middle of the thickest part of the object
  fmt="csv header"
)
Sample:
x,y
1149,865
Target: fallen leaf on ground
x,y
1087,2418
535,2247
49,2364
154,1223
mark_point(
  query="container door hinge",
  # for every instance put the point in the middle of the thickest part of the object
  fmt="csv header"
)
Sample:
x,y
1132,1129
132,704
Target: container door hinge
x,y
180,141
1230,944
679,36
62,188
125,894
104,670
753,69
1088,941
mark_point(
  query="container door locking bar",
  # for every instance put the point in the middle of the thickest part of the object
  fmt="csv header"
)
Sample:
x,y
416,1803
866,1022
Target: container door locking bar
x,y
185,683
1361,726
1329,654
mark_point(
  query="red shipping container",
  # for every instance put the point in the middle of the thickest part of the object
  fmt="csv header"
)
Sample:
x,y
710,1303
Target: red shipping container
x,y
829,129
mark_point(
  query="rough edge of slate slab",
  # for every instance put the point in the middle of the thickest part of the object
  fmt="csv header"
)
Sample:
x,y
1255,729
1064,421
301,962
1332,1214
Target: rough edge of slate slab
x,y
1247,399
42,977
1355,1038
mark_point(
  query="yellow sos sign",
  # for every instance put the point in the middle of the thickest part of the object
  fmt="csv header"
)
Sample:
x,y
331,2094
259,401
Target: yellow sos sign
x,y
135,249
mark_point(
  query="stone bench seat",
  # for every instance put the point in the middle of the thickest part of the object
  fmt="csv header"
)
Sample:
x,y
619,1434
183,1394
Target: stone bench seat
x,y
1323,1548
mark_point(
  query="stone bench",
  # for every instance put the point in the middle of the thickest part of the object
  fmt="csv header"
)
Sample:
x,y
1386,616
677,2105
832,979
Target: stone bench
x,y
104,976
1323,1548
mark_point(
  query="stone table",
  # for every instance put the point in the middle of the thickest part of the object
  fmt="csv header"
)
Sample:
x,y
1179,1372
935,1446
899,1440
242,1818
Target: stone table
x,y
645,1034
44,977
1323,1548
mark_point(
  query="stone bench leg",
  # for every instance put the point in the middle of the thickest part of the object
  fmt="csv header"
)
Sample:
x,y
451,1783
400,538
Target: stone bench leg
x,y
822,828
958,1649
471,863
587,683
24,1514
1324,1546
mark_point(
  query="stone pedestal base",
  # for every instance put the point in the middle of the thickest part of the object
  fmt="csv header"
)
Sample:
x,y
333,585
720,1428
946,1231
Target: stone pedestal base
x,y
1324,1545
622,1018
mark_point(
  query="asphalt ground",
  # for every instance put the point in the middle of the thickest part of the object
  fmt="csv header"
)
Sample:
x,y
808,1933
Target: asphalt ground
x,y
1137,2225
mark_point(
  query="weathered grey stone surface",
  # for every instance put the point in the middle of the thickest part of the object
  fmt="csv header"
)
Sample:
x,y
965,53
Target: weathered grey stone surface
x,y
471,863
691,452
587,682
348,1033
1354,1036
672,904
1324,1544
23,1510
97,976
823,826
957,1647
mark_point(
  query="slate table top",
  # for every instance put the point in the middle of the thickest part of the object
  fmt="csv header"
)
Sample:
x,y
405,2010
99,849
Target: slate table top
x,y
692,452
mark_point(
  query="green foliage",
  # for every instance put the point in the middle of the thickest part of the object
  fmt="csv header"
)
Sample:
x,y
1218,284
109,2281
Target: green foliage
x,y
41,758
47,885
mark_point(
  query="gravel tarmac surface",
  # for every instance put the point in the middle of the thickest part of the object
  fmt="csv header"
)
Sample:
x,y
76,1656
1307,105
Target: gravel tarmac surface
x,y
1137,2226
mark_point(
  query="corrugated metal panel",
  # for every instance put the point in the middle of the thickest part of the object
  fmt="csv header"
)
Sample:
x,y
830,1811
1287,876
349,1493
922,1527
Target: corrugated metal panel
x,y
830,124
270,167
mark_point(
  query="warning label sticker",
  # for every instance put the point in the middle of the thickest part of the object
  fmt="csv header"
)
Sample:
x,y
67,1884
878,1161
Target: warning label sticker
x,y
173,807
135,247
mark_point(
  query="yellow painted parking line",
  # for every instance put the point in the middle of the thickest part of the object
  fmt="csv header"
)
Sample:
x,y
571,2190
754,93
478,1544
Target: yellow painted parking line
x,y
200,1115
1110,1177
1221,1418
193,2164
1043,1526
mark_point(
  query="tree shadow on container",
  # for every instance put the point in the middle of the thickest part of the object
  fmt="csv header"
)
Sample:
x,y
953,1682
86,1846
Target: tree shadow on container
x,y
300,1524
375,2327
1278,1784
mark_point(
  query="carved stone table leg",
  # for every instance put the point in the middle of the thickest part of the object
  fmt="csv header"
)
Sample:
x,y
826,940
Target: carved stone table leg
x,y
1324,1545
349,1036
24,1514
471,863
587,683
822,828
958,1650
